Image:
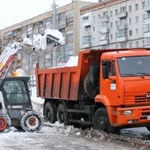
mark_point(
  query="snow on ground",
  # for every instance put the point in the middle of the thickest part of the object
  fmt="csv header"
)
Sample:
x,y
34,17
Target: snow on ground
x,y
58,137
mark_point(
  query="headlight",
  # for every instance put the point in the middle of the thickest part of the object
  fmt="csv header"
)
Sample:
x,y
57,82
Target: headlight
x,y
127,112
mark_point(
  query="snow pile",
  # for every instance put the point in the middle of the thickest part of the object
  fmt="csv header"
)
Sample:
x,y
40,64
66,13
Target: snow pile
x,y
48,40
37,102
73,61
27,41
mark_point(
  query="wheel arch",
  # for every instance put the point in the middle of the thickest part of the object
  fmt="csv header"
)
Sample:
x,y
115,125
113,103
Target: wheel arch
x,y
100,98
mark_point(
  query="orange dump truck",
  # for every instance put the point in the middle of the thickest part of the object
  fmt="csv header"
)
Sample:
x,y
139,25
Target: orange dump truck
x,y
108,89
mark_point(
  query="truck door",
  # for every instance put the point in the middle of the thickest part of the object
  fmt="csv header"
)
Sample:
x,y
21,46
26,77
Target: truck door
x,y
109,86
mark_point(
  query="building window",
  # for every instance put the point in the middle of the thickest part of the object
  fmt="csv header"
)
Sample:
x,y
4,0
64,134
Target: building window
x,y
116,11
137,31
99,16
93,28
130,32
136,7
111,24
137,44
130,21
87,28
130,44
86,39
123,45
143,4
137,19
111,36
116,23
111,13
69,38
130,8
123,9
85,18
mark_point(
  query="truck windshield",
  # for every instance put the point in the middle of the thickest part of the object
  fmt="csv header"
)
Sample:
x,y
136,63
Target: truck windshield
x,y
134,66
16,92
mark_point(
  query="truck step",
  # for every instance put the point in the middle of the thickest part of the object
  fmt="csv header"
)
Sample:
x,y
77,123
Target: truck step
x,y
79,111
80,121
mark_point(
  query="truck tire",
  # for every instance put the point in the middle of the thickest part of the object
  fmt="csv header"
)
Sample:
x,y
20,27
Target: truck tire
x,y
89,88
5,122
101,121
50,112
148,128
31,121
62,114
94,74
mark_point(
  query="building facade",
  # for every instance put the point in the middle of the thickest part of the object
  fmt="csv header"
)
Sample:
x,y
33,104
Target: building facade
x,y
115,24
68,22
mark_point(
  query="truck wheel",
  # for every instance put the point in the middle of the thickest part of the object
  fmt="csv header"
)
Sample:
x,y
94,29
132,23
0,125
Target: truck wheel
x,y
101,121
5,122
148,128
62,115
50,112
89,88
31,121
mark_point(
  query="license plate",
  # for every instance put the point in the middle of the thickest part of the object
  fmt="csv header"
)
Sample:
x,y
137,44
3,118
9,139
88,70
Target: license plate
x,y
148,117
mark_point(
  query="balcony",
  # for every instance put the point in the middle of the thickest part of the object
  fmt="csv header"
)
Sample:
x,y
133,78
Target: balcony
x,y
103,30
104,42
69,19
147,20
122,38
88,45
69,28
86,41
147,42
104,19
86,19
147,28
147,7
122,26
122,14
62,24
147,34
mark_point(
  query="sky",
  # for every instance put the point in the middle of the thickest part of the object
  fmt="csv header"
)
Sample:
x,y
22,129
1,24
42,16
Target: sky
x,y
14,11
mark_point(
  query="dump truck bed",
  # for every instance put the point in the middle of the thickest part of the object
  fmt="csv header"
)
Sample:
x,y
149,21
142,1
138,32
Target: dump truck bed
x,y
67,82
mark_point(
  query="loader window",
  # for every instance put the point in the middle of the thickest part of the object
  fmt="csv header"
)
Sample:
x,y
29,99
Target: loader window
x,y
15,92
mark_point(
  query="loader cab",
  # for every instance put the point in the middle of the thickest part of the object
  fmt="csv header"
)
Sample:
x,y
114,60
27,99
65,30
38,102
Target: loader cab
x,y
16,92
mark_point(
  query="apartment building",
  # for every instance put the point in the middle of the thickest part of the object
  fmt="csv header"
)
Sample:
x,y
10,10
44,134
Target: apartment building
x,y
68,18
115,24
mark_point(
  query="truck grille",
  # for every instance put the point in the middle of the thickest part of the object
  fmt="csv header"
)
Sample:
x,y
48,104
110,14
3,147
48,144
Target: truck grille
x,y
142,98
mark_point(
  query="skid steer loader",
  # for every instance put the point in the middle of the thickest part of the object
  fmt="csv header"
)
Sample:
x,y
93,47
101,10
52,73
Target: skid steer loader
x,y
16,107
15,103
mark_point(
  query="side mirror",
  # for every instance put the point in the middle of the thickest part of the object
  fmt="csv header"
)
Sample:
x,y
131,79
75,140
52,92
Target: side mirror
x,y
105,72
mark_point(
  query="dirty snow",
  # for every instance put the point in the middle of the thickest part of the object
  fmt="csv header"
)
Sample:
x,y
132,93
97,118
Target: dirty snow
x,y
58,137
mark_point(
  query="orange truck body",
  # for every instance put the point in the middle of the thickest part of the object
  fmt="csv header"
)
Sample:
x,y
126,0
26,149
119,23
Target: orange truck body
x,y
130,94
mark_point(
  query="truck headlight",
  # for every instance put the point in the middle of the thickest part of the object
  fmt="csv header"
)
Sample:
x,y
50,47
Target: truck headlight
x,y
127,112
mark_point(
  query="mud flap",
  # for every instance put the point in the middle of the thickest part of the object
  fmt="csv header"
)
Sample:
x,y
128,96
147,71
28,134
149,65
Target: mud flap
x,y
5,122
31,121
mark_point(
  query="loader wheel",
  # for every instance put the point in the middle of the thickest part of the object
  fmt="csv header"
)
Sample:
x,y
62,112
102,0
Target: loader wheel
x,y
90,90
50,112
62,115
31,121
101,121
5,122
